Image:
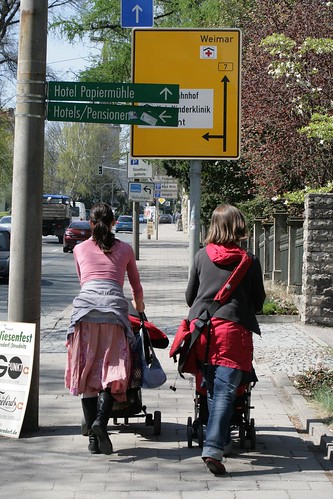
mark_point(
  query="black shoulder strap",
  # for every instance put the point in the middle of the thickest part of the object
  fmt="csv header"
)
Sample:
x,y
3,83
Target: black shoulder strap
x,y
201,323
204,320
207,314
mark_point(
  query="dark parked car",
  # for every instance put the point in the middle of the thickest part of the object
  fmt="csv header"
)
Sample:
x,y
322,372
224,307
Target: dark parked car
x,y
165,219
124,224
76,233
142,219
4,251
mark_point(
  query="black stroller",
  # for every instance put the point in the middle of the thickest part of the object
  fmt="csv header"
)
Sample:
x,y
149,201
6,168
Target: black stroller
x,y
133,406
240,419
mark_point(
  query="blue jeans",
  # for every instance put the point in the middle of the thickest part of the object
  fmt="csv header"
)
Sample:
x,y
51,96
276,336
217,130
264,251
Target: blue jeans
x,y
221,383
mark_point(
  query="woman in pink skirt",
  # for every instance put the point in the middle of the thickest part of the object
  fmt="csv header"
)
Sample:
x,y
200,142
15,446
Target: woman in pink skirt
x,y
100,334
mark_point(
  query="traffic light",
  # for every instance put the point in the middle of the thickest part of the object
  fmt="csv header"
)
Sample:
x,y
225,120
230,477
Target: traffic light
x,y
100,170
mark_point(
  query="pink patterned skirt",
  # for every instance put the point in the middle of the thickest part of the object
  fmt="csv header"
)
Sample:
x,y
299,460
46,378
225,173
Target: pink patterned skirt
x,y
98,357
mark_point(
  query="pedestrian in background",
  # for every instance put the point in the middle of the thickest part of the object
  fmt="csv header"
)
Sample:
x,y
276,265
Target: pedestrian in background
x,y
100,334
227,350
179,222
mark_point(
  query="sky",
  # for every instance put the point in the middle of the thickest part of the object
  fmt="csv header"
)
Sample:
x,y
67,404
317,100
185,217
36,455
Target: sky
x,y
67,59
64,58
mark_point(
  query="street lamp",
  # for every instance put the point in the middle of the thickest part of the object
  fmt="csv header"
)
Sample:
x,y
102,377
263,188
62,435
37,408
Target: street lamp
x,y
113,180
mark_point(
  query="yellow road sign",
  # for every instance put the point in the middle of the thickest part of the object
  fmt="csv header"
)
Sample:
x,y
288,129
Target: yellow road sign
x,y
206,65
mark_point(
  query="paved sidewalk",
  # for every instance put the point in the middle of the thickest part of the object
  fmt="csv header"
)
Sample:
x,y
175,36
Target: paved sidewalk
x,y
54,463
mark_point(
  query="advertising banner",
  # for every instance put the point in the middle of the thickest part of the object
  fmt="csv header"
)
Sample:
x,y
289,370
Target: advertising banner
x,y
17,342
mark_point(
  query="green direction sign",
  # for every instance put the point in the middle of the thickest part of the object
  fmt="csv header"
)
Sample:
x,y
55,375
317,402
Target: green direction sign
x,y
112,92
116,114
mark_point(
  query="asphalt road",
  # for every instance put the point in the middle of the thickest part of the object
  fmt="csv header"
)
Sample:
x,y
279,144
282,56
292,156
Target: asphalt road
x,y
59,280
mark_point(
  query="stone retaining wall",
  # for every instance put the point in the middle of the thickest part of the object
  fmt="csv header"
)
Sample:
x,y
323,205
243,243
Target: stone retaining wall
x,y
317,280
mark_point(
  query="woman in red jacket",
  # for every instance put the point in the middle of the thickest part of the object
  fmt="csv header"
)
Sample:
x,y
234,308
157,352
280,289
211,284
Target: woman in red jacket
x,y
227,350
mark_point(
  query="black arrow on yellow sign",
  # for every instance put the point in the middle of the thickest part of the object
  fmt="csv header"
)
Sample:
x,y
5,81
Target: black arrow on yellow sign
x,y
207,135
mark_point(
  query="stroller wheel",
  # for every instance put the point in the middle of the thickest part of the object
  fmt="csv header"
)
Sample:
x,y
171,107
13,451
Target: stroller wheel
x,y
252,434
200,436
242,437
149,420
157,423
189,432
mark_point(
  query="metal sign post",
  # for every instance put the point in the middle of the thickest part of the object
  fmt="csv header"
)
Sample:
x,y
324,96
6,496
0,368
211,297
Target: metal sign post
x,y
24,294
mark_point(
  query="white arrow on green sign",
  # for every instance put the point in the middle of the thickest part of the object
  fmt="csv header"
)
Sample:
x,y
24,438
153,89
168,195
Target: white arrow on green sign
x,y
112,92
116,114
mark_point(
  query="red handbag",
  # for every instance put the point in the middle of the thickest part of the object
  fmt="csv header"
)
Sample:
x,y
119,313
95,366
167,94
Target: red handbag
x,y
182,347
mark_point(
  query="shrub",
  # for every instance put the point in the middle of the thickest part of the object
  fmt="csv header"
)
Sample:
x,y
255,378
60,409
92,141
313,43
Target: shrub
x,y
317,386
314,380
259,207
269,308
278,302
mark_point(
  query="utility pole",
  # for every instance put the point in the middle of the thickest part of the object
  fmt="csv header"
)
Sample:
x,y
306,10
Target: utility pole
x,y
157,211
195,193
27,195
136,230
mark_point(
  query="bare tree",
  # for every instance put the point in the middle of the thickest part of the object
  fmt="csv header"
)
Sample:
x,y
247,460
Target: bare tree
x,y
9,23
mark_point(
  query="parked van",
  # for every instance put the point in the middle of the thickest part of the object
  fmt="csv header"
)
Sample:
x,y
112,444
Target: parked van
x,y
78,210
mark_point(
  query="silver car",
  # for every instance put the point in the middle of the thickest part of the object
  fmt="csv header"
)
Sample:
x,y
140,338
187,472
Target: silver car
x,y
6,220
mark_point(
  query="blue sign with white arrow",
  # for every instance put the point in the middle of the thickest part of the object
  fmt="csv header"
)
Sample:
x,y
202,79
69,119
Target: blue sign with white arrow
x,y
137,13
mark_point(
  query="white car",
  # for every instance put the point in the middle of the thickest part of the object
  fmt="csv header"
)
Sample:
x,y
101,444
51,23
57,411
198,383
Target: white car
x,y
6,220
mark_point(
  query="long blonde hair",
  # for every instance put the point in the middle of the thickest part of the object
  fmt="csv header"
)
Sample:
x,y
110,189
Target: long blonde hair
x,y
227,225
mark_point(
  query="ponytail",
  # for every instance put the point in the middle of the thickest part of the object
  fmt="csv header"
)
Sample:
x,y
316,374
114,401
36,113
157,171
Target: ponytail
x,y
101,216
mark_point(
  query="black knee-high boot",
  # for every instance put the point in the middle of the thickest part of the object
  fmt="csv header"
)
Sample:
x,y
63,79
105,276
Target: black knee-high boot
x,y
99,426
89,407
